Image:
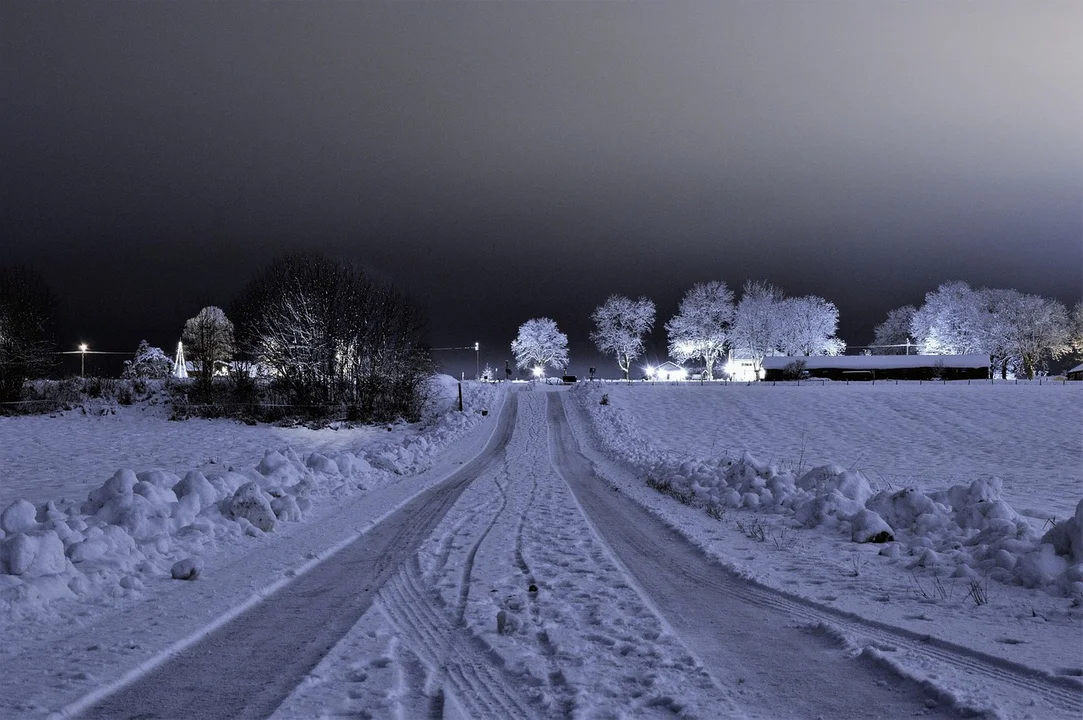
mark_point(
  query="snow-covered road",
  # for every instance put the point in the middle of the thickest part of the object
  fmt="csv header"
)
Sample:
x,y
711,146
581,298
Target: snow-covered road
x,y
523,585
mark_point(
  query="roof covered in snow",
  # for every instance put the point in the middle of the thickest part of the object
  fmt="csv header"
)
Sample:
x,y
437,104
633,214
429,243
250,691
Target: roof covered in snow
x,y
869,362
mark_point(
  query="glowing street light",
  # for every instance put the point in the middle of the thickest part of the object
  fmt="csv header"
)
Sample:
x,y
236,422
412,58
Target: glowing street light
x,y
82,360
539,371
477,360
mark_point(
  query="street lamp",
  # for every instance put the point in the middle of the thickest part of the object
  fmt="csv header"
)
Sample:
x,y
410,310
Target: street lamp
x,y
82,360
477,360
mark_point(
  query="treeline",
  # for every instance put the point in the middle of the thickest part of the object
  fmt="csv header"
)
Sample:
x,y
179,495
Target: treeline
x,y
1019,332
315,333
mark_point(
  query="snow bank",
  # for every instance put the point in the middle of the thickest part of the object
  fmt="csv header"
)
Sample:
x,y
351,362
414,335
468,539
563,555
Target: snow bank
x,y
154,523
966,530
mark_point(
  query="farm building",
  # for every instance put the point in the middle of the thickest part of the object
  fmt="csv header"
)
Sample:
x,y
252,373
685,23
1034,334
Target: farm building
x,y
880,367
1075,373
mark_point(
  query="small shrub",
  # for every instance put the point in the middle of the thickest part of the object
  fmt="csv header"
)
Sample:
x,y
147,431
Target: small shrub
x,y
754,530
124,394
794,370
605,399
718,512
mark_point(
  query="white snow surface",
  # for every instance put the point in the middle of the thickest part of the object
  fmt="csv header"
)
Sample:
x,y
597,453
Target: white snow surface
x,y
789,524
968,527
138,525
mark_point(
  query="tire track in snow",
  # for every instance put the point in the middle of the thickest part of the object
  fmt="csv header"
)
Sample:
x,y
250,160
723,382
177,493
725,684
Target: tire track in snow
x,y
457,658
246,667
474,674
1062,696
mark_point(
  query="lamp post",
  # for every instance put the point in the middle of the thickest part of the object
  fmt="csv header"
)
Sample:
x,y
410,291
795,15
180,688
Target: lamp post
x,y
82,360
477,360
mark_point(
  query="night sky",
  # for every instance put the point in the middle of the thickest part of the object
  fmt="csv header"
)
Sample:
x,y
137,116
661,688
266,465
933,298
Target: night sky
x,y
507,161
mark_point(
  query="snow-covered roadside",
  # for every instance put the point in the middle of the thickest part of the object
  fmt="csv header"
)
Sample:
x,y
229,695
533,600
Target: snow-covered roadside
x,y
142,525
926,436
923,581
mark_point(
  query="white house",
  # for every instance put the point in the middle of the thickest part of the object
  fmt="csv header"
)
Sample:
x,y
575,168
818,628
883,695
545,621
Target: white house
x,y
740,367
667,372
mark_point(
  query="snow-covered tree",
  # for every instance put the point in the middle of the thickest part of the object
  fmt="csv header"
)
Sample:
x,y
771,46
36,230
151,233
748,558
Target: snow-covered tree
x,y
1026,329
950,321
895,330
150,363
701,327
757,321
208,337
621,323
540,344
807,327
1075,329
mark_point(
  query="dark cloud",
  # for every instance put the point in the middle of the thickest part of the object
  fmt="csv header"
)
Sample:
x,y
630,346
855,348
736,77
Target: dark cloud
x,y
503,161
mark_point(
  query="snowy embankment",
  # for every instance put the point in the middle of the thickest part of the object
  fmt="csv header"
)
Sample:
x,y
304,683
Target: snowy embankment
x,y
967,528
154,523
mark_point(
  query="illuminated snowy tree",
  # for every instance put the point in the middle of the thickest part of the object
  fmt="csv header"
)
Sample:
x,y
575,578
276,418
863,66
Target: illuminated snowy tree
x,y
539,344
757,327
807,326
701,327
620,325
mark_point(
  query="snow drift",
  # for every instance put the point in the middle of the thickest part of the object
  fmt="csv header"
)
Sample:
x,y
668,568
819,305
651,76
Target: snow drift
x,y
965,529
157,523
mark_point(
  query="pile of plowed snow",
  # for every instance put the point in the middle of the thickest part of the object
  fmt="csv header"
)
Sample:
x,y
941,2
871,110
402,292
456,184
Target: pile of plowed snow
x,y
155,523
966,528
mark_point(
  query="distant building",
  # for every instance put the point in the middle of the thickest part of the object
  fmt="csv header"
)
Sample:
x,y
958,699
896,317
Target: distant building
x,y
880,367
740,367
667,372
1075,373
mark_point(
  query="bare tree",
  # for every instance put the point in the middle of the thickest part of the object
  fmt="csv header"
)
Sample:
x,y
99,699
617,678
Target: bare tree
x,y
757,323
894,331
539,344
807,327
701,327
621,323
27,320
330,335
209,340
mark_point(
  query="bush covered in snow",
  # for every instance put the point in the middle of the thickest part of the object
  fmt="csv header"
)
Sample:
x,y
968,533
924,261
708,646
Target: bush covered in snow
x,y
967,526
149,363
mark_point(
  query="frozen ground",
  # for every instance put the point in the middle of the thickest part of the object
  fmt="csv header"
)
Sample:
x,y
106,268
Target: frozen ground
x,y
556,582
65,455
926,436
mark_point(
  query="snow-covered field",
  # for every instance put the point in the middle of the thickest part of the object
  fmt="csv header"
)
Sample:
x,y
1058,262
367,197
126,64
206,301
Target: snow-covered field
x,y
926,436
514,606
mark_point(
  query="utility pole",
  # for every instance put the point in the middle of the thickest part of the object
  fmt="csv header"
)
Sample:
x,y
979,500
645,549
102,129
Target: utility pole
x,y
477,360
